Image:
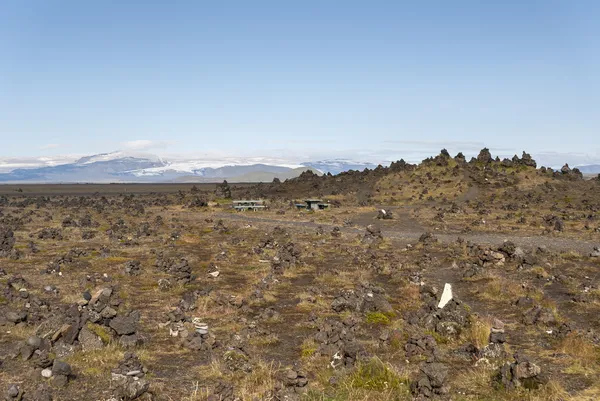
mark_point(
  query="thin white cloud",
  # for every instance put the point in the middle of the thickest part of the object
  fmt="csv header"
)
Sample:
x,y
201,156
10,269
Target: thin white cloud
x,y
145,144
49,146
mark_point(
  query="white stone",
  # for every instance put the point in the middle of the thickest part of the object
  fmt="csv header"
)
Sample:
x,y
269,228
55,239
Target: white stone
x,y
47,373
446,295
214,274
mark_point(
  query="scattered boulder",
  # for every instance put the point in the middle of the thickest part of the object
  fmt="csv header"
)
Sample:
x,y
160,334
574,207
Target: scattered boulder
x,y
14,392
125,325
88,340
61,373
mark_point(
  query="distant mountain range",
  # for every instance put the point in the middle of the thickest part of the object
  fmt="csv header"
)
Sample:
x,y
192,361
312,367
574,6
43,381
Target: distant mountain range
x,y
123,167
590,169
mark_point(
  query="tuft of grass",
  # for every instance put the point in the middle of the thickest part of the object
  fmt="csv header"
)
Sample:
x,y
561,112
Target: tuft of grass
x,y
257,384
376,375
96,363
576,346
478,332
308,348
264,341
500,289
478,384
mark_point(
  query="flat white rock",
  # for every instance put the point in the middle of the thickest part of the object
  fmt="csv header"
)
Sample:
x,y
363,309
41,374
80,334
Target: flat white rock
x,y
47,373
446,295
215,274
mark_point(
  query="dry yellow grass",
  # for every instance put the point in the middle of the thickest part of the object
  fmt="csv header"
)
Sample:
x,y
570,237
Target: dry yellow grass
x,y
478,332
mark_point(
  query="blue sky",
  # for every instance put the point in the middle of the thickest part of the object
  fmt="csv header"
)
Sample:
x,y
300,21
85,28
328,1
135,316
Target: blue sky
x,y
352,78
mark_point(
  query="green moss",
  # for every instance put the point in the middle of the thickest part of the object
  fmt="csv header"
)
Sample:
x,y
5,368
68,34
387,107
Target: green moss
x,y
377,318
100,331
437,336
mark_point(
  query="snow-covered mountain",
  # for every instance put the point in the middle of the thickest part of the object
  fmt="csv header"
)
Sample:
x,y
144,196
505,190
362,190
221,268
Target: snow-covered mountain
x,y
140,167
336,166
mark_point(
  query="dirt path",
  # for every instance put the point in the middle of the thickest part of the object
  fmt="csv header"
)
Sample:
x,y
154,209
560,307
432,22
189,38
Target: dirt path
x,y
412,233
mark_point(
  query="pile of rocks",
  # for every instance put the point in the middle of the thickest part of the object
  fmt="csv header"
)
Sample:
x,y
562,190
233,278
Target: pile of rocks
x,y
69,222
86,221
196,337
223,190
128,379
554,222
7,241
539,315
133,267
100,308
336,232
197,202
567,172
372,235
16,393
126,328
337,340
220,227
485,156
497,335
365,298
179,268
428,239
223,299
61,373
288,256
50,233
421,346
431,381
383,214
223,392
295,380
448,320
596,252
522,372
